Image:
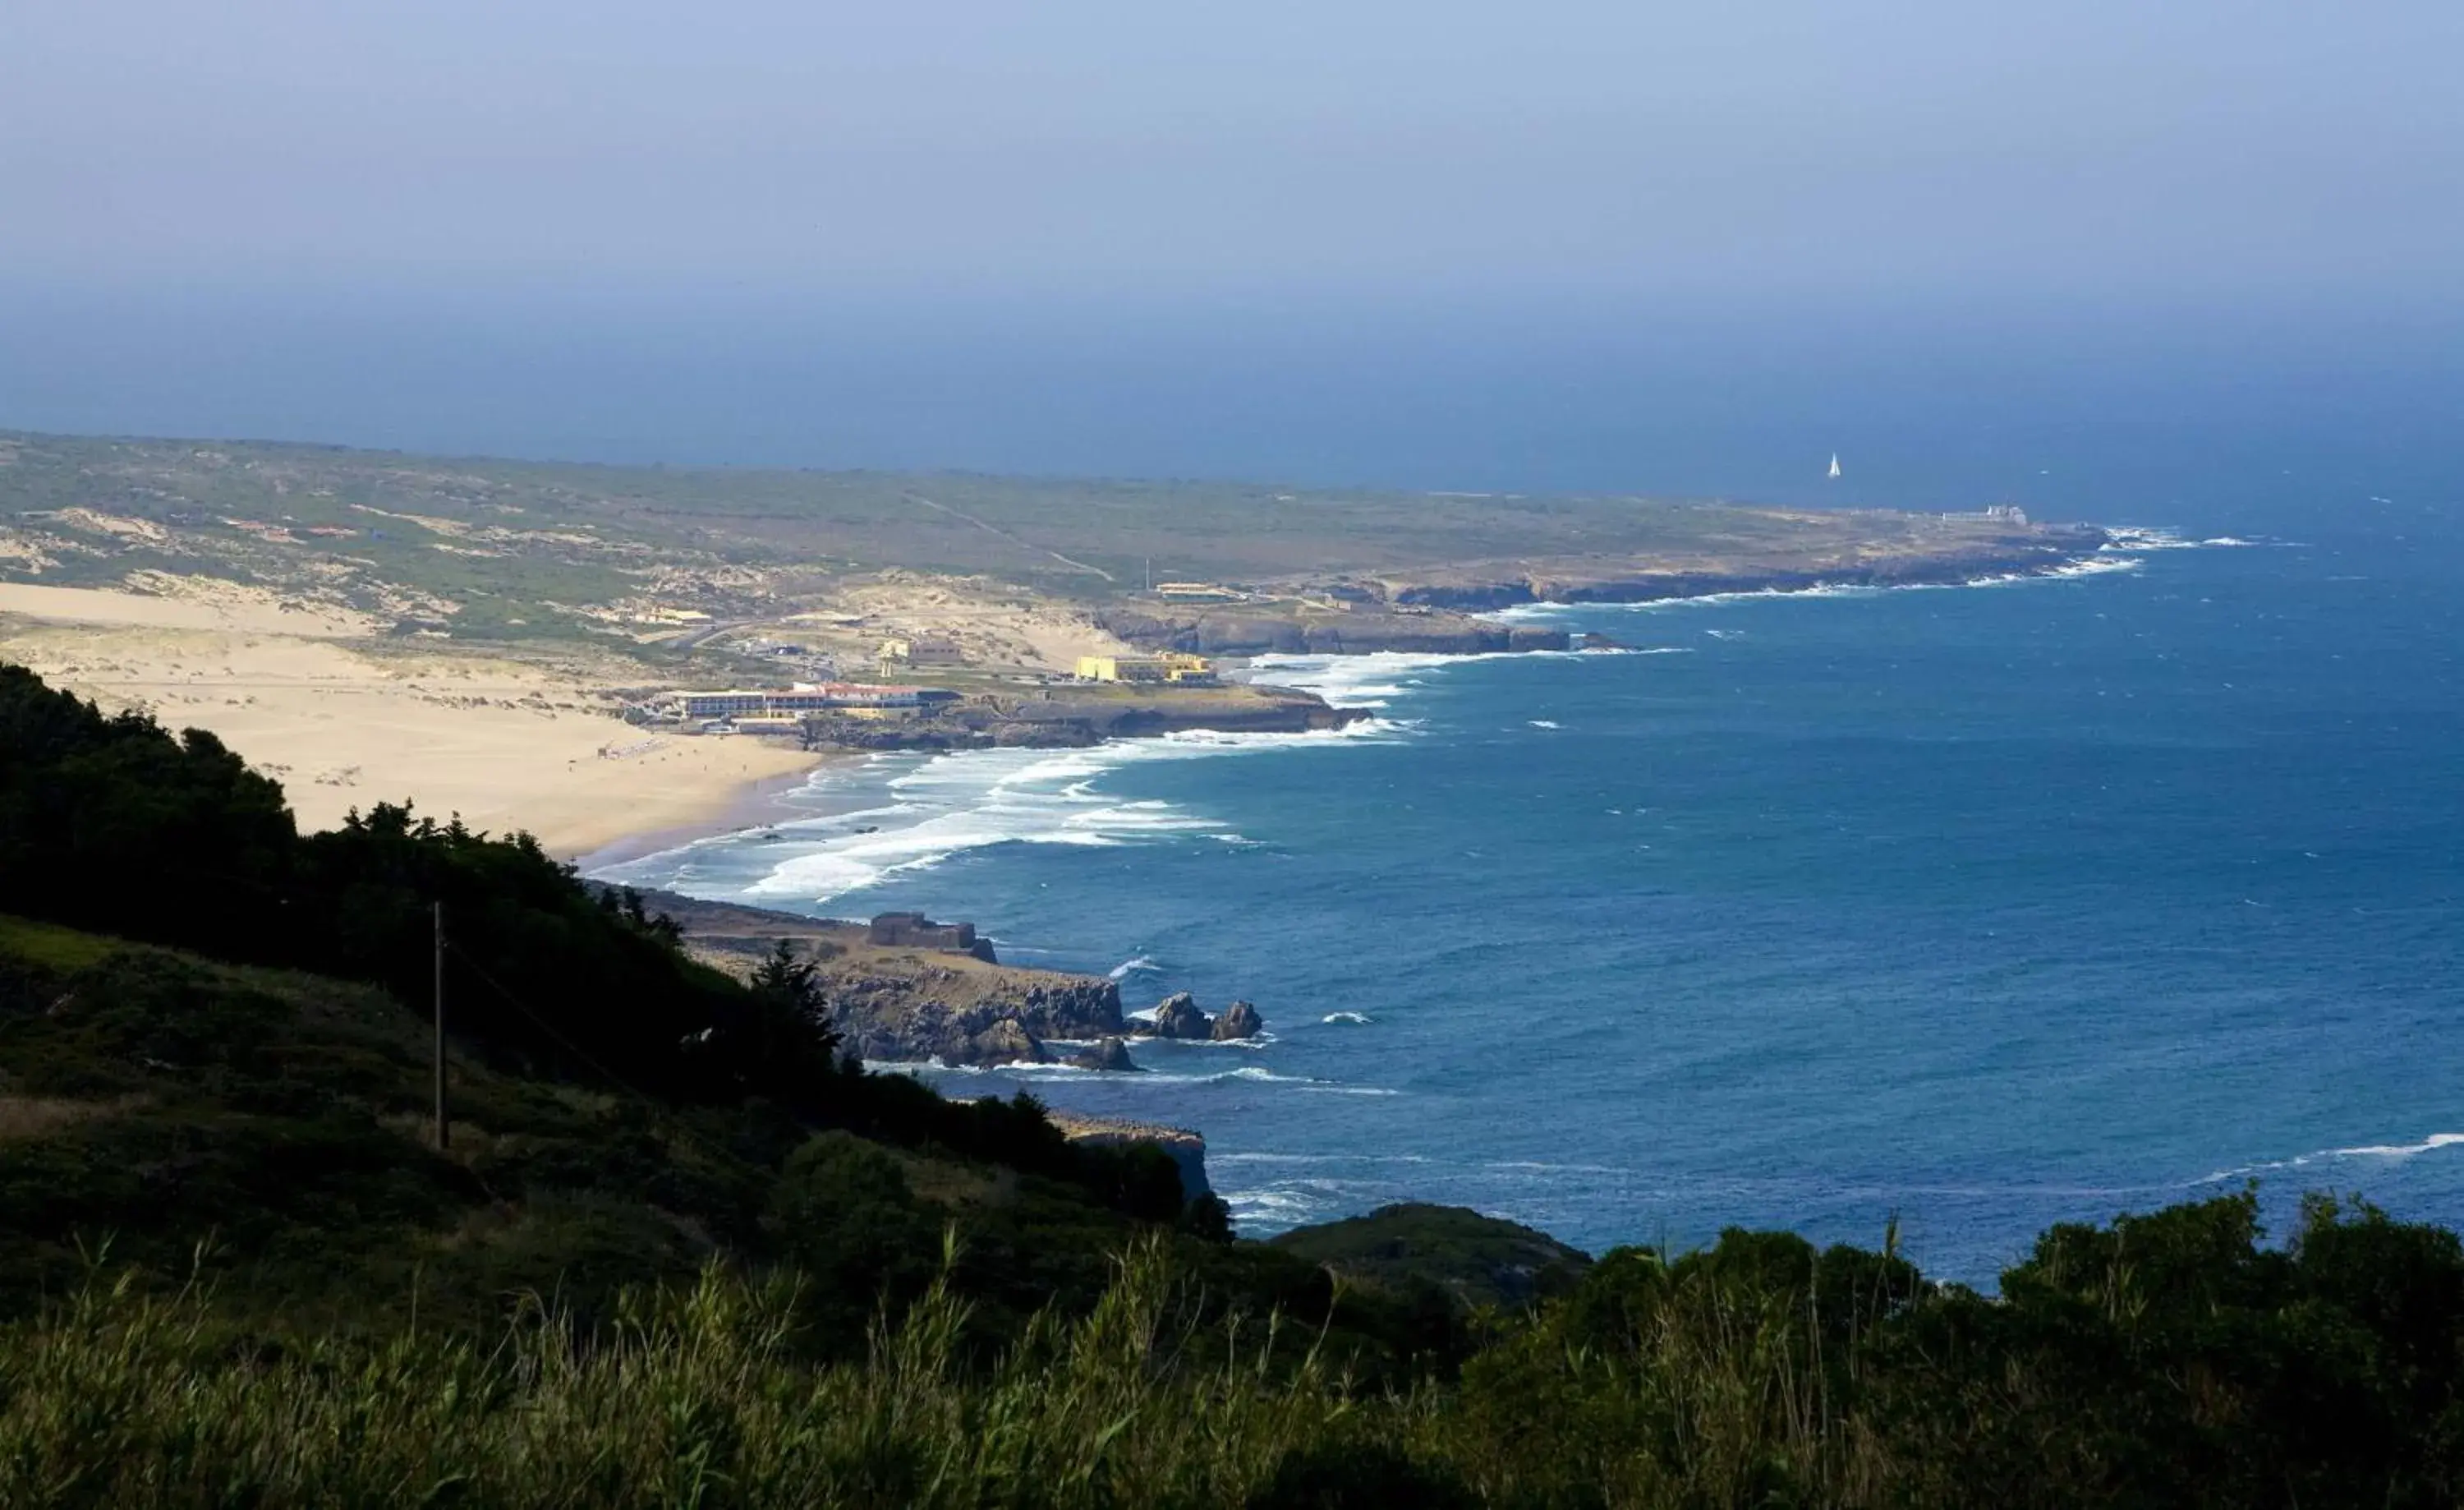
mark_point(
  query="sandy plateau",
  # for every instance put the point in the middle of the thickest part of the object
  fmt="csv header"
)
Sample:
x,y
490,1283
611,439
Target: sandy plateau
x,y
343,719
990,624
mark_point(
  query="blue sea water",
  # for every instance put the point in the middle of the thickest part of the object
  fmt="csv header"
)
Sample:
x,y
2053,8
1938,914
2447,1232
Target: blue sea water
x,y
1980,907
1986,907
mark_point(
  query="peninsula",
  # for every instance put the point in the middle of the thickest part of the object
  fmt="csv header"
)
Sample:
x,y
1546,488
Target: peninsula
x,y
510,639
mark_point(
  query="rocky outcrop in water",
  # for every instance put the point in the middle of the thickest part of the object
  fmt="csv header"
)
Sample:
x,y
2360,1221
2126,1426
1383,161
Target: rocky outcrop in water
x,y
1179,1017
1240,1020
1109,1054
1175,1016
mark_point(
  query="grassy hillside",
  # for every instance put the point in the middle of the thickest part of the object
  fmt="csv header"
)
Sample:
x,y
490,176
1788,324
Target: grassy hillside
x,y
518,546
268,1132
678,1252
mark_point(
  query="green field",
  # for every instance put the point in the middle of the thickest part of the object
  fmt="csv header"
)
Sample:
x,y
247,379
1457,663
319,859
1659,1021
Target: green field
x,y
511,540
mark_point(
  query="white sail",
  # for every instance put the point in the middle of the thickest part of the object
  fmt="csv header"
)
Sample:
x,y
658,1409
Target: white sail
x,y
1835,463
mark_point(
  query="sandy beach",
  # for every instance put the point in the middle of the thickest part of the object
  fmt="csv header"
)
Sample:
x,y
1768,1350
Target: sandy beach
x,y
345,719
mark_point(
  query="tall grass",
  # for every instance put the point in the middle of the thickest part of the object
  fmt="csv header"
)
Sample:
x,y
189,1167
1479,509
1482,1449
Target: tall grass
x,y
694,1397
1754,1374
701,1396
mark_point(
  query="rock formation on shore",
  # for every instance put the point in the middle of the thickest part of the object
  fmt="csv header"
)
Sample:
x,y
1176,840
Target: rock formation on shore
x,y
1187,1148
916,999
1070,716
922,999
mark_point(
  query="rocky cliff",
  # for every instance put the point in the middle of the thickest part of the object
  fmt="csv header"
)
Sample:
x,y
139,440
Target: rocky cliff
x,y
901,1003
1188,1149
959,1012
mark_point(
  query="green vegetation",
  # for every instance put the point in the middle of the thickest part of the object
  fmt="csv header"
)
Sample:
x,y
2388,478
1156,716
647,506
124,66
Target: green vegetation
x,y
506,541
677,1252
2164,1360
1477,1259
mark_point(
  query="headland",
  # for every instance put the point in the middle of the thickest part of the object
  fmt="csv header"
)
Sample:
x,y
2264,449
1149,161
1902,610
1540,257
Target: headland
x,y
521,643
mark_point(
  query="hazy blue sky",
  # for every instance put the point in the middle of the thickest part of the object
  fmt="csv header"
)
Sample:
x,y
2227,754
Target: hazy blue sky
x,y
1548,243
1811,145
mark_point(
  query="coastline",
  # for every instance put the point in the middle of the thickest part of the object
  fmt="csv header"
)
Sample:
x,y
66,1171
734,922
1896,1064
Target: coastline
x,y
1029,805
757,805
754,804
1469,609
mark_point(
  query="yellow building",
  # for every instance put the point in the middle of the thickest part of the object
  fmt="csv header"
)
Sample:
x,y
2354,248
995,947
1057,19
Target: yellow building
x,y
1191,671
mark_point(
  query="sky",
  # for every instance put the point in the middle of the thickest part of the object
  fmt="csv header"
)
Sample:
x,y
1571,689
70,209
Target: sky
x,y
199,204
1425,143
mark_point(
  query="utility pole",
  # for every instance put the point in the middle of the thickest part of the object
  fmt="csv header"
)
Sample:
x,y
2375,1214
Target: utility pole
x,y
441,1135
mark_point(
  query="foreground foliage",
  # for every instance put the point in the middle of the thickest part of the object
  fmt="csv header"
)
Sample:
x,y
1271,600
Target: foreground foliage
x,y
2166,1359
679,1254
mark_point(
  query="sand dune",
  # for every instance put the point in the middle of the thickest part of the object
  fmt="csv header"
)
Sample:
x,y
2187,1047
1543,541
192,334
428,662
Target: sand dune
x,y
344,723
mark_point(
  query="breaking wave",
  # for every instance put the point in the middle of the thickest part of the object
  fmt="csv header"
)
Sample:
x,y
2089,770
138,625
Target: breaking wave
x,y
943,806
1373,680
2370,1150
1125,1079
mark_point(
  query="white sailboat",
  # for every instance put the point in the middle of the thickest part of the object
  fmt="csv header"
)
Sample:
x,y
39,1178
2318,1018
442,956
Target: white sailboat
x,y
1835,464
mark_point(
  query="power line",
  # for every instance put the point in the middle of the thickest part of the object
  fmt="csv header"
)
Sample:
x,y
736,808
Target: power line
x,y
443,1136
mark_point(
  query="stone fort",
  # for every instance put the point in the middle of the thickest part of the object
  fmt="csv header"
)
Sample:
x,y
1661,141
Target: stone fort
x,y
912,930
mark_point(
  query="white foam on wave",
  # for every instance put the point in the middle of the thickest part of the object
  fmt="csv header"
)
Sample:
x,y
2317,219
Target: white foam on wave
x,y
1375,679
2123,542
1129,967
2137,538
1319,1158
1253,1210
2085,567
976,799
1372,681
2144,537
1360,1018
2370,1150
2401,1151
1245,1074
1542,723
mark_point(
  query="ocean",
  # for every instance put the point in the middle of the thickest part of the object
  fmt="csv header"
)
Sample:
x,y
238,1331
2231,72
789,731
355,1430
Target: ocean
x,y
1974,909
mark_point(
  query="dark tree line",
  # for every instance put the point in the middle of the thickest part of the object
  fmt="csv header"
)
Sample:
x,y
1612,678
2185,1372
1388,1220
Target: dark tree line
x,y
112,824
